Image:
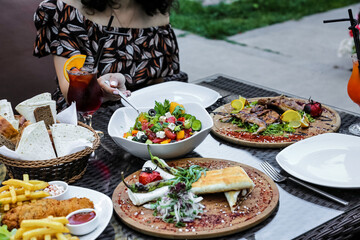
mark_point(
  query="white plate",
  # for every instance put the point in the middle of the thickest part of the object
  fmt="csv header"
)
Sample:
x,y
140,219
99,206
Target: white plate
x,y
330,159
174,91
103,206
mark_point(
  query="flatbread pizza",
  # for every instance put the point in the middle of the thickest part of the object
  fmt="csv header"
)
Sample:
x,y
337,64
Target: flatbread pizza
x,y
263,115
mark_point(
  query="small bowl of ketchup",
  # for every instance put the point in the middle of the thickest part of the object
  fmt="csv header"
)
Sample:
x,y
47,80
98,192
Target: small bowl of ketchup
x,y
82,221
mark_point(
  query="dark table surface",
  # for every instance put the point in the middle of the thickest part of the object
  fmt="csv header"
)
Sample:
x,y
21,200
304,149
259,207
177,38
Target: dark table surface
x,y
103,175
112,160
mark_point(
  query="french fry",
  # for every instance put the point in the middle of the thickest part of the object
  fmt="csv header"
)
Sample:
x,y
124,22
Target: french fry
x,y
42,231
42,223
60,236
33,238
47,237
4,188
21,198
62,220
40,185
8,194
26,179
16,191
13,194
18,183
6,207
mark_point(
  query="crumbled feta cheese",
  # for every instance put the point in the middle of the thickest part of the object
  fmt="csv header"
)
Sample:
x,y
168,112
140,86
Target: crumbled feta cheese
x,y
129,138
139,134
160,134
162,118
168,114
172,126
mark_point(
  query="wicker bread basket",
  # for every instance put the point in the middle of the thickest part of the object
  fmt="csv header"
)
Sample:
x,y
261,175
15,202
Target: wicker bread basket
x,y
68,168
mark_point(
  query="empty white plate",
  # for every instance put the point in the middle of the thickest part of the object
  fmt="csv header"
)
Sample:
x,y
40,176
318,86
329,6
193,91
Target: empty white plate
x,y
173,91
330,159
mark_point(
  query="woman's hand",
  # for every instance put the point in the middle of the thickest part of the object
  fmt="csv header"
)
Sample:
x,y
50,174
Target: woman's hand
x,y
111,84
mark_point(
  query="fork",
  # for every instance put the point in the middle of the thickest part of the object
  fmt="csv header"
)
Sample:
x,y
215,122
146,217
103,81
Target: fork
x,y
277,177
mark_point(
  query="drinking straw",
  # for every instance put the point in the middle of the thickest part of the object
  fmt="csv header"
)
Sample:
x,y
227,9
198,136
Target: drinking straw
x,y
354,30
101,44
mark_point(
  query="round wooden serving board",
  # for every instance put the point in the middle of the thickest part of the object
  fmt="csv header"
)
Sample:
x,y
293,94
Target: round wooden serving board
x,y
217,219
329,121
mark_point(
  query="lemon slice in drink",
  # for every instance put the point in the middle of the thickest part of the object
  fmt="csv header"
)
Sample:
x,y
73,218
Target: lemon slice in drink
x,y
237,104
75,61
290,115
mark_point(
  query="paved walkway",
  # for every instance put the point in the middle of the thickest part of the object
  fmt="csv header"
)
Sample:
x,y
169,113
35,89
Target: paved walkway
x,y
298,57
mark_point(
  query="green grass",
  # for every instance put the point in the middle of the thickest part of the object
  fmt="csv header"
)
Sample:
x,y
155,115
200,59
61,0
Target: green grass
x,y
223,20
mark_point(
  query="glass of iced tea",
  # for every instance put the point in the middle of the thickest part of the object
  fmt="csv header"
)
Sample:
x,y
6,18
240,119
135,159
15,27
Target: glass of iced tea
x,y
85,91
353,89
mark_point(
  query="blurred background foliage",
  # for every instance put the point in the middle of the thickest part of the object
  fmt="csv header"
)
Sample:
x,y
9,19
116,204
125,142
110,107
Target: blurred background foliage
x,y
226,19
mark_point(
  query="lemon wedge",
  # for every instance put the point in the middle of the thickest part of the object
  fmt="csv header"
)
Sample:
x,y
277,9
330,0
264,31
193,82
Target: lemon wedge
x,y
295,124
290,115
305,123
237,104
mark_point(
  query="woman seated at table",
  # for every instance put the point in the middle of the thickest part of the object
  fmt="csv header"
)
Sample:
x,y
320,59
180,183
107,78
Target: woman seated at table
x,y
69,27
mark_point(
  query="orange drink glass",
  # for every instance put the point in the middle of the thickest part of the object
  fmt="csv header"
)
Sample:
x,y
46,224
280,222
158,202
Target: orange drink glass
x,y
353,89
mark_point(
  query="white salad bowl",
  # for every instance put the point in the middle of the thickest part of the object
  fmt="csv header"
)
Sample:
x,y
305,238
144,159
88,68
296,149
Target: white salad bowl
x,y
124,118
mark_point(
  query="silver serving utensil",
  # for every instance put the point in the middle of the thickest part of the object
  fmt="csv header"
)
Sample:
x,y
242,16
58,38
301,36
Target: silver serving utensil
x,y
128,102
277,177
125,98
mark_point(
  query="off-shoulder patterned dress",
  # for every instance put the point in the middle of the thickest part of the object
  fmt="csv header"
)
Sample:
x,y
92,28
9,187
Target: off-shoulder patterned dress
x,y
143,55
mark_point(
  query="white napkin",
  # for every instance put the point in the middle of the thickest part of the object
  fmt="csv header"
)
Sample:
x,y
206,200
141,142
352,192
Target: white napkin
x,y
68,115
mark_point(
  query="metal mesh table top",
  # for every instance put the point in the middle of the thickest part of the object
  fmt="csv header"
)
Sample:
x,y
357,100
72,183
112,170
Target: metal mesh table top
x,y
103,174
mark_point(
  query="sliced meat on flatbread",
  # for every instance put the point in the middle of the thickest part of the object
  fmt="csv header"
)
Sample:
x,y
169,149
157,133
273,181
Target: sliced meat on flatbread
x,y
7,112
223,180
35,143
27,107
65,136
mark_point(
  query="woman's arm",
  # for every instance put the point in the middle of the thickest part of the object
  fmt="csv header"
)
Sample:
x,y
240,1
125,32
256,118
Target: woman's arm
x,y
110,83
59,63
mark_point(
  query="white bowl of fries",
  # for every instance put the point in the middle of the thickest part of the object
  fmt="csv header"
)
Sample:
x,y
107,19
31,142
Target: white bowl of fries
x,y
85,227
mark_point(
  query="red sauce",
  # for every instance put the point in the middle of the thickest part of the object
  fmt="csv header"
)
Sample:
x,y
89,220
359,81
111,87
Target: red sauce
x,y
80,218
261,138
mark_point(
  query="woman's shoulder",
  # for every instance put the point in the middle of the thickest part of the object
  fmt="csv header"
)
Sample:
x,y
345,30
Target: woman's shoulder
x,y
57,9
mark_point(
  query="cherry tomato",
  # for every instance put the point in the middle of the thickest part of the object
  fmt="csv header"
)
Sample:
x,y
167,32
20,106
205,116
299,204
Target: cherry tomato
x,y
171,120
170,134
146,177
